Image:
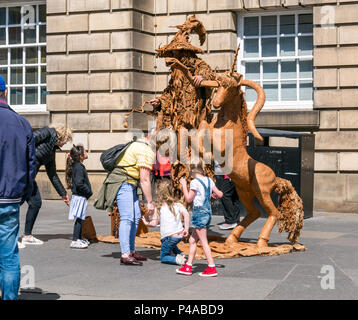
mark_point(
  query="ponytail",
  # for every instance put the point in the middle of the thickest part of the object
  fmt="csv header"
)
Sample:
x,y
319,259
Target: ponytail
x,y
74,156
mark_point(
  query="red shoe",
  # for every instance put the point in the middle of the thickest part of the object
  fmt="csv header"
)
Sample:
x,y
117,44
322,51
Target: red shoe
x,y
185,269
209,272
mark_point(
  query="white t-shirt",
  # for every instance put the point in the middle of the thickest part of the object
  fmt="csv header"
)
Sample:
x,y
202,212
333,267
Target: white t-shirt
x,y
170,223
200,191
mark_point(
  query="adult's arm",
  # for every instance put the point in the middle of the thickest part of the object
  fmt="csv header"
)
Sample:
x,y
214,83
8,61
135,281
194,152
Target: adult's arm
x,y
146,187
52,175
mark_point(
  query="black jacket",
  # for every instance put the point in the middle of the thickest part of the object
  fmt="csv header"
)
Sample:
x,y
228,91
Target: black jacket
x,y
45,142
80,182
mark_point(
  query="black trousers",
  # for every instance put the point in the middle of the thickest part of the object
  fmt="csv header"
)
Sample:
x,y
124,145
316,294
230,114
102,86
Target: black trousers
x,y
77,229
35,203
231,213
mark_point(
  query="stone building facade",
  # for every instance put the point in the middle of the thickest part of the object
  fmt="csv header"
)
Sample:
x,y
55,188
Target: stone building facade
x,y
101,62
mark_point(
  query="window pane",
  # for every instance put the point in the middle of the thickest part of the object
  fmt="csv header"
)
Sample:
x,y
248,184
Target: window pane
x,y
287,24
269,25
42,10
3,16
289,91
30,35
31,55
271,90
287,46
16,56
306,90
306,69
3,56
3,73
15,96
2,36
305,46
250,94
43,33
16,75
44,93
305,23
43,74
14,15
269,47
43,54
14,35
31,95
288,70
252,70
31,75
251,26
270,70
251,48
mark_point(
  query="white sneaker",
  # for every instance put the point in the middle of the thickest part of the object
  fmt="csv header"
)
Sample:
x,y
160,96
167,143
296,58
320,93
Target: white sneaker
x,y
86,241
31,240
20,245
78,245
226,226
180,259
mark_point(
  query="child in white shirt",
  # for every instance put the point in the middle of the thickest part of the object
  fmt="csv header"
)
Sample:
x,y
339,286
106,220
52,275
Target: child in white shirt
x,y
169,211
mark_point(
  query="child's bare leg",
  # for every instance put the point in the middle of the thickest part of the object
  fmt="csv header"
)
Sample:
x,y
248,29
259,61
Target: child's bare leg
x,y
192,248
201,233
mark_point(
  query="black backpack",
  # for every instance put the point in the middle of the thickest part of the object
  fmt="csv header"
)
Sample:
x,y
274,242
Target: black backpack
x,y
109,157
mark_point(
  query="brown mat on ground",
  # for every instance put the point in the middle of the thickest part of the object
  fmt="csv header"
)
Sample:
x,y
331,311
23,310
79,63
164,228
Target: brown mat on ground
x,y
218,247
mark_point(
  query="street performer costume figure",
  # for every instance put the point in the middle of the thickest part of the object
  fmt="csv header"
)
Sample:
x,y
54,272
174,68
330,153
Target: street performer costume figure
x,y
184,105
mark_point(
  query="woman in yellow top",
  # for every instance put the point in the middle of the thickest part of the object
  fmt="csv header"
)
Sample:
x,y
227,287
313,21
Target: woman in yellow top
x,y
136,162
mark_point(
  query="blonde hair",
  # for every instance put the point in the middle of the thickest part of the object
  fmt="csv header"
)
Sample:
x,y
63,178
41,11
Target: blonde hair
x,y
64,134
197,168
164,194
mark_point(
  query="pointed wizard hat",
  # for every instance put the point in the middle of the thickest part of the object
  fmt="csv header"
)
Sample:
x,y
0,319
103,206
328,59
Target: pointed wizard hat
x,y
181,38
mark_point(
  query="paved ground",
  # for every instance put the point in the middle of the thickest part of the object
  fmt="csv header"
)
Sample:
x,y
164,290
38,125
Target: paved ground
x,y
61,273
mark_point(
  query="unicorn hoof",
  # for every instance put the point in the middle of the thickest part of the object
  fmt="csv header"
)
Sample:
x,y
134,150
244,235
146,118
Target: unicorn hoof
x,y
231,240
262,243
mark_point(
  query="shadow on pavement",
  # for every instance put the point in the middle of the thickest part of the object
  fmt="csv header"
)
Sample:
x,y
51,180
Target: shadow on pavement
x,y
47,237
150,254
37,294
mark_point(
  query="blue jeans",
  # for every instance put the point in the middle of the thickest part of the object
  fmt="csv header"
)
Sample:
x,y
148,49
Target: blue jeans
x,y
129,210
9,252
169,246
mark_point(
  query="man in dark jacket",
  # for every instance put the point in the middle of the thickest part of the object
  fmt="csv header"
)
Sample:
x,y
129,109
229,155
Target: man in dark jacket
x,y
17,173
47,141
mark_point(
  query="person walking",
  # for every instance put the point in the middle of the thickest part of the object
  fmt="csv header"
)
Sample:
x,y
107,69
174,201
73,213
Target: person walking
x,y
47,141
17,173
201,190
231,213
77,180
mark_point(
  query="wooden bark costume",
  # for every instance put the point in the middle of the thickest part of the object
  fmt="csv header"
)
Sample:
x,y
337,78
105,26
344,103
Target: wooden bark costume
x,y
182,104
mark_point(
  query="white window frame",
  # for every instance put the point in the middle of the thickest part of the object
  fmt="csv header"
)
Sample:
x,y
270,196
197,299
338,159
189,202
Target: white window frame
x,y
275,105
23,107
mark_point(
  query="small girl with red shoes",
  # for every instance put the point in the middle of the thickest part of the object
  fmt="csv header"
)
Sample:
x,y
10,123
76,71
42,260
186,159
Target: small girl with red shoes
x,y
201,190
